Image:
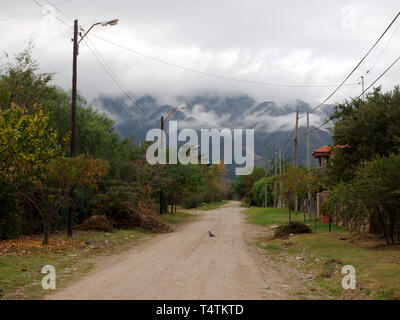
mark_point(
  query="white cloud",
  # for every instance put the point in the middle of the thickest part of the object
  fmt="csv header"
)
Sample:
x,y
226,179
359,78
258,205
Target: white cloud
x,y
285,42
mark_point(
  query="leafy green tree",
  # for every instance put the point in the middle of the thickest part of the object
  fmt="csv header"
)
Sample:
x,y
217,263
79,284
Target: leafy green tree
x,y
373,194
294,183
242,187
258,191
23,84
179,180
364,130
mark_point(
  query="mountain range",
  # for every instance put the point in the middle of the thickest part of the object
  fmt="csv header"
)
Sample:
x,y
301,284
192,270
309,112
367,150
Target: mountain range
x,y
274,123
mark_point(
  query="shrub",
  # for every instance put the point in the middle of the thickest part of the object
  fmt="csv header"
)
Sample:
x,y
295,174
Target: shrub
x,y
128,205
96,223
294,227
9,214
193,200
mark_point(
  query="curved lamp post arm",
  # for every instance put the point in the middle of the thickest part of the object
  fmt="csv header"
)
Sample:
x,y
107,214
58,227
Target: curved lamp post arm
x,y
103,23
96,24
172,111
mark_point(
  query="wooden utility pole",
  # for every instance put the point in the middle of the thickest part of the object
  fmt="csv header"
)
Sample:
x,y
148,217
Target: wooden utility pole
x,y
74,90
161,191
280,182
275,174
266,176
73,120
295,154
308,168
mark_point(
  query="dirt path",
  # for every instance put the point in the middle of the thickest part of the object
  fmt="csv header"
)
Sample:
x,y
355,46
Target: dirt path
x,y
187,264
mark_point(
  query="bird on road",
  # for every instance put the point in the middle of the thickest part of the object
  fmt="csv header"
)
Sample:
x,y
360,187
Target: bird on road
x,y
210,234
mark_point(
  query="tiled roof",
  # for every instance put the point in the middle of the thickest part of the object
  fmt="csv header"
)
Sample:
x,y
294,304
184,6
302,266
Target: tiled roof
x,y
325,151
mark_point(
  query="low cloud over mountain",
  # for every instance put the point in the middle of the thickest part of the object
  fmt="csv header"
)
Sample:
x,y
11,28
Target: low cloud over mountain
x,y
273,123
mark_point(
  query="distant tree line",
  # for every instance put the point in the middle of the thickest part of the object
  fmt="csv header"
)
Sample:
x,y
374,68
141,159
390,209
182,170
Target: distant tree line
x,y
363,174
109,176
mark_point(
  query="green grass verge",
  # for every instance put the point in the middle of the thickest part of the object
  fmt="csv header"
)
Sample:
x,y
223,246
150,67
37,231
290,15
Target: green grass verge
x,y
278,216
377,267
211,206
20,276
177,217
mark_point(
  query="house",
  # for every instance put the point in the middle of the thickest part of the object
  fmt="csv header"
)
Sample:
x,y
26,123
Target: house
x,y
323,154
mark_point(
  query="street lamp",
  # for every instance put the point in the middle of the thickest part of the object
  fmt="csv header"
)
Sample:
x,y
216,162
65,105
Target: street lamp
x,y
74,93
163,122
192,149
112,22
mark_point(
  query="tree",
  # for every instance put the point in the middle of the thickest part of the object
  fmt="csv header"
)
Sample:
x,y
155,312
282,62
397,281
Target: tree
x,y
244,184
53,190
180,179
364,129
26,142
294,183
258,191
374,194
23,84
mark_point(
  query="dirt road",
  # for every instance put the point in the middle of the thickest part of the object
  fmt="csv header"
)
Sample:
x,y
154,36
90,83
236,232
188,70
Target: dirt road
x,y
187,264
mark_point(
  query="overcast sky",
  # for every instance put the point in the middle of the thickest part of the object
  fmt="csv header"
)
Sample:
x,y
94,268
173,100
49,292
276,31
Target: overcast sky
x,y
297,42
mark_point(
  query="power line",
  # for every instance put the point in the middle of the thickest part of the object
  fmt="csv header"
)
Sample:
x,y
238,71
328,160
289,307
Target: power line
x,y
62,21
32,11
319,127
384,49
358,64
60,11
288,142
102,63
377,79
110,73
209,74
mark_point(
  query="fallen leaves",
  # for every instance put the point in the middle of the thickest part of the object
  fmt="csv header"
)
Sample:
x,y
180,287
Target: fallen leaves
x,y
30,245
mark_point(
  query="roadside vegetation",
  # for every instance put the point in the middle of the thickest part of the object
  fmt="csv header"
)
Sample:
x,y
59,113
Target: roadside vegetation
x,y
43,189
320,256
361,183
51,204
22,259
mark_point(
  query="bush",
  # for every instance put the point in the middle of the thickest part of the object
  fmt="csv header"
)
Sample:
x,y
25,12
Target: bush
x,y
191,201
294,227
96,223
127,205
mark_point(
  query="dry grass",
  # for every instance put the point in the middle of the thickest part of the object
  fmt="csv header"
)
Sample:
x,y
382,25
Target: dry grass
x,y
321,255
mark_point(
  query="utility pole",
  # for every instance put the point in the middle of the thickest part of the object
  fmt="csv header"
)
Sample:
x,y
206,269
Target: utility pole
x,y
76,43
266,176
280,182
73,121
275,184
161,191
295,154
362,88
308,167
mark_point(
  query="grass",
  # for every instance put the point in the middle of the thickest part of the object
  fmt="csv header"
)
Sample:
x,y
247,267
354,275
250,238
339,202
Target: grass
x,y
20,275
177,217
278,216
211,206
377,267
